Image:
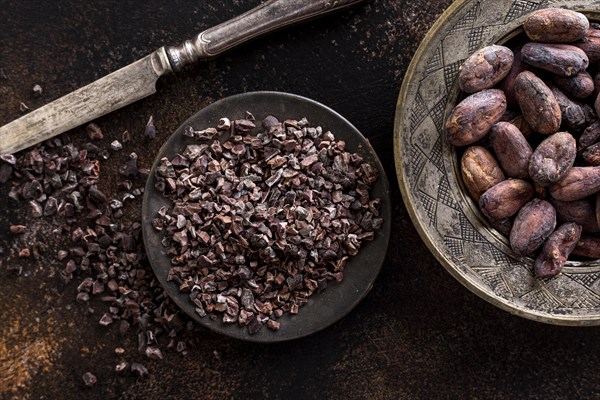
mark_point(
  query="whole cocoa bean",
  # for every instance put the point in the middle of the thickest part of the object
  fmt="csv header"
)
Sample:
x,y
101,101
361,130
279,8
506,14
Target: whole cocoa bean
x,y
480,171
534,223
582,212
591,155
579,86
505,199
556,25
588,246
511,148
556,250
538,104
484,68
590,135
597,105
578,183
590,44
560,59
552,159
572,114
473,117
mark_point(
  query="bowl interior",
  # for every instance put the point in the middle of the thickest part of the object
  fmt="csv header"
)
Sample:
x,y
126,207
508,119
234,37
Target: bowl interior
x,y
513,37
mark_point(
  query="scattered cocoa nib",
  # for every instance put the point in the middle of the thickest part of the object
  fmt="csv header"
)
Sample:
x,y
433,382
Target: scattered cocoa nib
x,y
153,353
262,218
94,132
37,90
139,369
122,366
130,168
116,145
89,379
273,325
24,253
150,128
8,158
18,228
59,181
106,320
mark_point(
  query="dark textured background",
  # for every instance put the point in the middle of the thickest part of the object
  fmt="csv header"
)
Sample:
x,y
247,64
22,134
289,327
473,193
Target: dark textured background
x,y
418,334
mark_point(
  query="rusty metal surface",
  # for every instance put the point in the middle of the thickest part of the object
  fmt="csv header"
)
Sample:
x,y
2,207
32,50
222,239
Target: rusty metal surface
x,y
417,334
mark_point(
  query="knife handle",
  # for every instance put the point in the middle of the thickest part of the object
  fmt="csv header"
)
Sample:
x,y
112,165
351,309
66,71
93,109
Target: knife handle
x,y
267,17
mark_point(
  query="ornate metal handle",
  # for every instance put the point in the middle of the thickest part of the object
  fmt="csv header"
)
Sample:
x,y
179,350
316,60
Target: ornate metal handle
x,y
265,18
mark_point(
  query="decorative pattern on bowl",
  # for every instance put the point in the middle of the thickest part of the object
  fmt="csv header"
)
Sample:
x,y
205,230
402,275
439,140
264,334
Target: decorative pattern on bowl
x,y
428,172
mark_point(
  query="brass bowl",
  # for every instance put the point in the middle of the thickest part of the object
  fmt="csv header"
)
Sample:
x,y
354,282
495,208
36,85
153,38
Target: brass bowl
x,y
339,298
428,172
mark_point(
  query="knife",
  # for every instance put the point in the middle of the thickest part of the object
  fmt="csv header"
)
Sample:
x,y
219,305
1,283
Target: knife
x,y
138,79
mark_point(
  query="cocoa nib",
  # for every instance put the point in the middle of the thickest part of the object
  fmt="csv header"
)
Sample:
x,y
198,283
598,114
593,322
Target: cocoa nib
x,y
94,132
89,379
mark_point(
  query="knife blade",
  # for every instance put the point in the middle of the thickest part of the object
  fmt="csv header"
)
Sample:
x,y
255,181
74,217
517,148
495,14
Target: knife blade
x,y
138,79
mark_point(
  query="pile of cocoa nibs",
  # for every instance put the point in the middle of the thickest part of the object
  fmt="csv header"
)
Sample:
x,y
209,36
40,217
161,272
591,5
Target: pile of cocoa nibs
x,y
261,219
99,249
530,120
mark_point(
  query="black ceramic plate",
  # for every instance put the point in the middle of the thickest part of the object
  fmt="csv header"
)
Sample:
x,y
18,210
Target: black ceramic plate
x,y
322,309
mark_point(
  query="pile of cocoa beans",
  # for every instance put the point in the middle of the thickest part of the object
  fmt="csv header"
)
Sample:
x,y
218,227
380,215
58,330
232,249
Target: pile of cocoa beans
x,y
529,134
